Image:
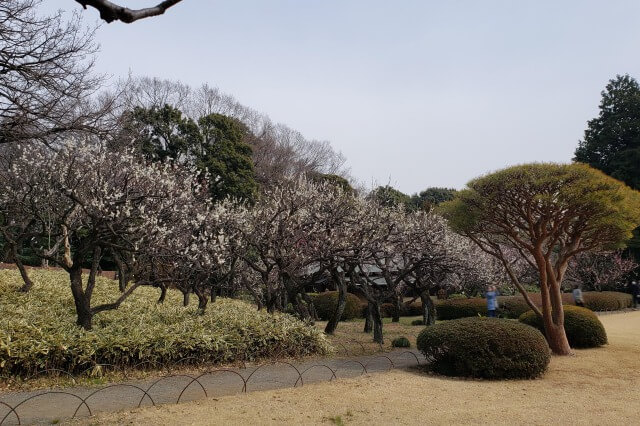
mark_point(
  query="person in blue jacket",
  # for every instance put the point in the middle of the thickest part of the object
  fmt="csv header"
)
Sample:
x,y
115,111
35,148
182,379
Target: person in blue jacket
x,y
492,301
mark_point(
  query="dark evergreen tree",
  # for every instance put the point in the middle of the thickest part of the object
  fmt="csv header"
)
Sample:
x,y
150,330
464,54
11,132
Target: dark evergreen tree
x,y
612,140
227,157
215,143
388,196
431,197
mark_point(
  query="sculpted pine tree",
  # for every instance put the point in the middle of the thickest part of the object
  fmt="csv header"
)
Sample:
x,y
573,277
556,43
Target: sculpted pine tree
x,y
549,213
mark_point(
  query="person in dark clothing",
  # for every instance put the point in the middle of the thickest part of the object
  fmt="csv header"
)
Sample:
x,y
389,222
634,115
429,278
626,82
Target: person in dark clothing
x,y
634,290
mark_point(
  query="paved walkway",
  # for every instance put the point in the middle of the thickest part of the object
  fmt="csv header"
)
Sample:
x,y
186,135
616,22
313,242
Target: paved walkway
x,y
47,406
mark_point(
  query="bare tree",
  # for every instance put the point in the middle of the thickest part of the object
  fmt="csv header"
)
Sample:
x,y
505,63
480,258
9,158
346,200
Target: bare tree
x,y
47,85
110,12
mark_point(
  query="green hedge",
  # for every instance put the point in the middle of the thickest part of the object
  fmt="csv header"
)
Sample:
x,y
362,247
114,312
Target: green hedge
x,y
487,348
607,300
325,304
514,306
583,328
460,308
38,331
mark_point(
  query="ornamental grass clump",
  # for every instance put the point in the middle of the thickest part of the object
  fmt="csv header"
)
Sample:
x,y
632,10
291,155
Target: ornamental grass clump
x,y
487,348
38,331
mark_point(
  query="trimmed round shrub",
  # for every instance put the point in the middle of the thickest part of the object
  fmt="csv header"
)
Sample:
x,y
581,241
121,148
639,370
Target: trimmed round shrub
x,y
460,308
417,322
401,342
488,348
607,300
325,304
583,328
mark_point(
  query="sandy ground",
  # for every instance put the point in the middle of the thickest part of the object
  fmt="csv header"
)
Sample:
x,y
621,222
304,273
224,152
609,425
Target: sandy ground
x,y
596,386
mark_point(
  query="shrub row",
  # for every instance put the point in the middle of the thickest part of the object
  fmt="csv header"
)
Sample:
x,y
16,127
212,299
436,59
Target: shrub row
x,y
583,328
488,348
510,306
37,329
514,306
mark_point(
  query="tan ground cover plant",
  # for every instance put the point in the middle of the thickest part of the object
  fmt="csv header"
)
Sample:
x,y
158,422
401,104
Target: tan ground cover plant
x,y
38,331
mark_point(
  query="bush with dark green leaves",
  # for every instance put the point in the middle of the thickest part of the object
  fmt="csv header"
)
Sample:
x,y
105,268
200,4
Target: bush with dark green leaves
x,y
401,342
512,306
325,304
460,308
583,328
606,300
488,348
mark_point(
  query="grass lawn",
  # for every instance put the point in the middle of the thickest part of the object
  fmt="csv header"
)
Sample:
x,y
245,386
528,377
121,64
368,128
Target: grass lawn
x,y
596,386
349,338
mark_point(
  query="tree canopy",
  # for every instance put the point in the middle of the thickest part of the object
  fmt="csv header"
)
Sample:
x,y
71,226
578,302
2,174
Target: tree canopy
x,y
388,196
431,197
215,143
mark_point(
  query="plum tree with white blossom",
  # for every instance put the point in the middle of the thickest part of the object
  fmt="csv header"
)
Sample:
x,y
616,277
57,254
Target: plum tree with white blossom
x,y
89,200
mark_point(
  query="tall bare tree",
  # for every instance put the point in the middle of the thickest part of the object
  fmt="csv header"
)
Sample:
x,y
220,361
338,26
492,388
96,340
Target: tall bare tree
x,y
47,84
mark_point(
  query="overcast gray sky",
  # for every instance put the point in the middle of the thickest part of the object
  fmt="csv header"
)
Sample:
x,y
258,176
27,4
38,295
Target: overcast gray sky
x,y
415,93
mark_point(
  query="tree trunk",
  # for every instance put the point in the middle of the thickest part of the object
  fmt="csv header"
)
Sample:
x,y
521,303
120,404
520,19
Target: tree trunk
x,y
396,311
368,319
302,308
185,298
428,308
202,301
163,294
337,313
377,324
83,305
28,284
554,324
552,311
123,277
557,339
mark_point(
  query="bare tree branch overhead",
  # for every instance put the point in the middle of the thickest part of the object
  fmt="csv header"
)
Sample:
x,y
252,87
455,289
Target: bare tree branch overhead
x,y
47,85
110,12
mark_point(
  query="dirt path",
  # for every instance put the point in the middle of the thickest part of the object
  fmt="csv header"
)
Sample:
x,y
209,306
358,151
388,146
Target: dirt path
x,y
596,386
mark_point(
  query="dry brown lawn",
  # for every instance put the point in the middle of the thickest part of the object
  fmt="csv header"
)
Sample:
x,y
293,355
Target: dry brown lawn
x,y
596,386
350,340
